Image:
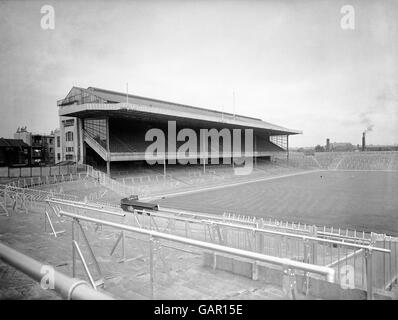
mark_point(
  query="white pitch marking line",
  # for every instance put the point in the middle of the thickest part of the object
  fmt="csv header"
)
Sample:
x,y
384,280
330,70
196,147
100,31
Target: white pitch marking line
x,y
230,185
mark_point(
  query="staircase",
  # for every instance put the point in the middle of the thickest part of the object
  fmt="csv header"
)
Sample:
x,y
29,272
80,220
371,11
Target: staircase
x,y
100,150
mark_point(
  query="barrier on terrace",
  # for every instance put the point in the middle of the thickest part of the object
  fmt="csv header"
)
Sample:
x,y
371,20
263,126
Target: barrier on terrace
x,y
158,239
24,172
370,259
106,181
380,249
125,189
22,198
29,182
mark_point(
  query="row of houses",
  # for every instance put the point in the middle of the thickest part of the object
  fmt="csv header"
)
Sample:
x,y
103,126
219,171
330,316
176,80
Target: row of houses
x,y
32,149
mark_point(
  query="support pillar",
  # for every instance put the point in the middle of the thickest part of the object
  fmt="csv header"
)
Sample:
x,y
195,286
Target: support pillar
x,y
164,167
81,150
84,152
108,168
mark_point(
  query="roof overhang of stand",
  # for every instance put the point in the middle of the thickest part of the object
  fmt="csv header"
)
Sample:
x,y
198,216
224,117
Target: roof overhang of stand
x,y
141,112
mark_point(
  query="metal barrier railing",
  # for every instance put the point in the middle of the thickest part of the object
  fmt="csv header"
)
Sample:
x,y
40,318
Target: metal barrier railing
x,y
373,257
341,257
287,265
68,288
21,198
37,194
87,206
306,244
106,181
41,171
38,181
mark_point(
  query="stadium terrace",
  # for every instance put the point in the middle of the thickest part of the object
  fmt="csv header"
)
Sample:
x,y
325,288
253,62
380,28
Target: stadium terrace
x,y
187,152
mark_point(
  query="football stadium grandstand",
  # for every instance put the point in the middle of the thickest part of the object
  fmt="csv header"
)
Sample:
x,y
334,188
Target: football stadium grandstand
x,y
112,128
298,226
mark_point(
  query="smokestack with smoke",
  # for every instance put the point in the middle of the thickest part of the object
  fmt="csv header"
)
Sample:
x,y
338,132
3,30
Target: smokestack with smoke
x,y
363,141
367,122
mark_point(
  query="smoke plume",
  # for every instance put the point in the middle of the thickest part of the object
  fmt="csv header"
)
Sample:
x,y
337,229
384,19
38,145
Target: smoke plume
x,y
366,122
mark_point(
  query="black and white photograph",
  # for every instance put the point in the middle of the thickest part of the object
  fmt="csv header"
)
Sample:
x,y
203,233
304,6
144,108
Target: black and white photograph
x,y
220,152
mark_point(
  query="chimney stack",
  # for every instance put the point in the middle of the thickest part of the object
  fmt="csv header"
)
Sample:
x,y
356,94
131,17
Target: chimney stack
x,y
363,141
327,144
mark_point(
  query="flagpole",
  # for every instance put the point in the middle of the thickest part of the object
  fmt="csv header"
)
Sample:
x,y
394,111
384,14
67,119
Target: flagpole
x,y
233,102
127,92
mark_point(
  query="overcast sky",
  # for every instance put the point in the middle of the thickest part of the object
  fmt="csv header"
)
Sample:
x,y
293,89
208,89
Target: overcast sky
x,y
289,62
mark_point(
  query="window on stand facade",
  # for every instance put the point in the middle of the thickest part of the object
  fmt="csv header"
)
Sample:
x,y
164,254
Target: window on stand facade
x,y
69,136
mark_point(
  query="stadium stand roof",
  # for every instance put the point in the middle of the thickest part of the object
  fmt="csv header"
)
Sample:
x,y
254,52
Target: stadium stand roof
x,y
93,101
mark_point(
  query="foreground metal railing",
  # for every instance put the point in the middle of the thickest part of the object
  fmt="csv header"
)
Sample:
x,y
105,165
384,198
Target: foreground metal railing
x,y
372,266
289,266
66,287
371,262
29,182
20,198
370,258
33,194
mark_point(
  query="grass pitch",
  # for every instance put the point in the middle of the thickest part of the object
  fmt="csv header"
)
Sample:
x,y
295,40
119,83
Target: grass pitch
x,y
361,200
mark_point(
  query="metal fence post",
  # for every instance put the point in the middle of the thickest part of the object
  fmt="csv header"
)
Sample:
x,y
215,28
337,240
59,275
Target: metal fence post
x,y
255,271
73,250
395,258
305,251
314,245
151,266
214,261
260,237
369,280
289,283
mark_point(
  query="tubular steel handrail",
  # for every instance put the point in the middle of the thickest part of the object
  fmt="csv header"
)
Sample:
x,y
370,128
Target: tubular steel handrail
x,y
68,288
328,273
366,248
302,237
28,191
236,226
82,205
223,218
